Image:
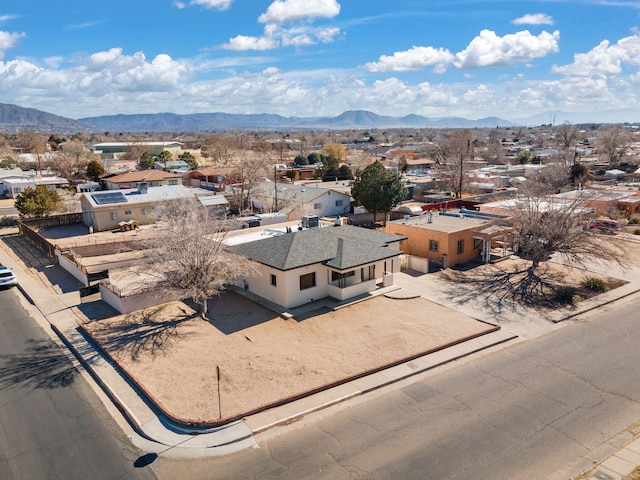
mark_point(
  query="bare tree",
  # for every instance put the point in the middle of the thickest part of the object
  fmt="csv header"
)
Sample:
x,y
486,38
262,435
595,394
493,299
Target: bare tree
x,y
548,180
452,153
135,149
495,150
249,172
190,259
220,148
613,143
5,148
70,160
543,227
568,134
35,143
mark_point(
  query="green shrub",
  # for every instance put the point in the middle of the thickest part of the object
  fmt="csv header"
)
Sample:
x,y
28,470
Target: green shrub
x,y
8,221
565,294
595,284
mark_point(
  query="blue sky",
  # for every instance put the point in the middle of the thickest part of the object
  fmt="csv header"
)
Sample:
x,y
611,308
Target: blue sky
x,y
512,59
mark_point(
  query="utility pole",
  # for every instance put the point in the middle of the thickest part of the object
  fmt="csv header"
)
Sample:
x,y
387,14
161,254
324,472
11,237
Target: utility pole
x,y
275,187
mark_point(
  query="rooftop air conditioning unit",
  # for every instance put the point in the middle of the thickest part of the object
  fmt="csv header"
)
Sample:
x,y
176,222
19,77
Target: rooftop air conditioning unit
x,y
310,221
143,187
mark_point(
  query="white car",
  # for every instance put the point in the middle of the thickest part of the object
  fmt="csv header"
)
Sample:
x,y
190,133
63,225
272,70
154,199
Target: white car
x,y
7,277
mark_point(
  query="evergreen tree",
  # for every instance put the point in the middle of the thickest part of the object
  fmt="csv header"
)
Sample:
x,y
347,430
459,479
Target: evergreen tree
x,y
378,189
95,170
38,202
146,161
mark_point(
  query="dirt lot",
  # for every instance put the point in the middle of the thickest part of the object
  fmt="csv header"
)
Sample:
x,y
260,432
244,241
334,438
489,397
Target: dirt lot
x,y
263,358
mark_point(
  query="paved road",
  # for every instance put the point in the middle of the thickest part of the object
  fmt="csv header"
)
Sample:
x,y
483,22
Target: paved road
x,y
52,425
525,412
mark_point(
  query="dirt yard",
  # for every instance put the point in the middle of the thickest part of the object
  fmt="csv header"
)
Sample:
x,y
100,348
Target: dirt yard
x,y
263,358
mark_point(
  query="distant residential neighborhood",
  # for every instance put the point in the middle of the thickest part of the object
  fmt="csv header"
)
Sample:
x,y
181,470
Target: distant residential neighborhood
x,y
462,193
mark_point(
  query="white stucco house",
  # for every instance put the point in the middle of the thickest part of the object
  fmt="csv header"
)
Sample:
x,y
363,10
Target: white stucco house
x,y
296,201
299,266
14,186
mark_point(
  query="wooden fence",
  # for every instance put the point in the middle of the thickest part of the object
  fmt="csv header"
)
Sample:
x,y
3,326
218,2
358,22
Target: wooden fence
x,y
30,227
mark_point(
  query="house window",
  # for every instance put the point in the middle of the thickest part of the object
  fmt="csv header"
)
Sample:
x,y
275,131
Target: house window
x,y
317,206
336,275
274,280
460,248
114,215
307,280
173,181
127,212
433,245
477,243
339,203
145,211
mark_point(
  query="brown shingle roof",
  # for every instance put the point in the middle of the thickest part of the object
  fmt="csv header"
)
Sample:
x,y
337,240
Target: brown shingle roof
x,y
143,176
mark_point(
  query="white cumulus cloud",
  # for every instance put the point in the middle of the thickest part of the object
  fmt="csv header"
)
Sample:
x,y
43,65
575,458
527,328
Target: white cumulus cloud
x,y
283,11
413,59
217,4
244,42
534,19
9,40
276,36
605,59
488,49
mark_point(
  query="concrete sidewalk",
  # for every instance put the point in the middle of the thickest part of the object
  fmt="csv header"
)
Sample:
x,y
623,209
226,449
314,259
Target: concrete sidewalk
x,y
156,435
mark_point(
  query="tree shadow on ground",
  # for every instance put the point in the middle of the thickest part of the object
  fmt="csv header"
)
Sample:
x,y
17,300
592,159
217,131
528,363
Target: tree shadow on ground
x,y
42,365
151,334
498,288
231,312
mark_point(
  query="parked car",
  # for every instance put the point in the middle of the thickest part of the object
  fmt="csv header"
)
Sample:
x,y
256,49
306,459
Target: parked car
x,y
7,277
605,226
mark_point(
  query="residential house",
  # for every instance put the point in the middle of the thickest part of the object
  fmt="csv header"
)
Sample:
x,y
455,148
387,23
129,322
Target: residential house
x,y
152,178
12,186
109,210
296,267
297,201
211,178
419,166
447,239
604,201
174,166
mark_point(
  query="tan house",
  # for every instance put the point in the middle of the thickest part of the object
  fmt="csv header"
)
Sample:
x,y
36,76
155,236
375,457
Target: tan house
x,y
110,210
446,239
152,178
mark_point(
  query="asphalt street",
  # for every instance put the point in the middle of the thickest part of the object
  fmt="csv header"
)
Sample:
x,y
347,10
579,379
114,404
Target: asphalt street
x,y
552,404
52,425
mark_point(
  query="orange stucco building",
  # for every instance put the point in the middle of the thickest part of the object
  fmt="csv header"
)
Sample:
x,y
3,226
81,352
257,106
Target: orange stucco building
x,y
447,239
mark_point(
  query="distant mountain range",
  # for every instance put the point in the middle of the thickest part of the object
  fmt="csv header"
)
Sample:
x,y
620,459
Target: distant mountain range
x,y
353,119
14,117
